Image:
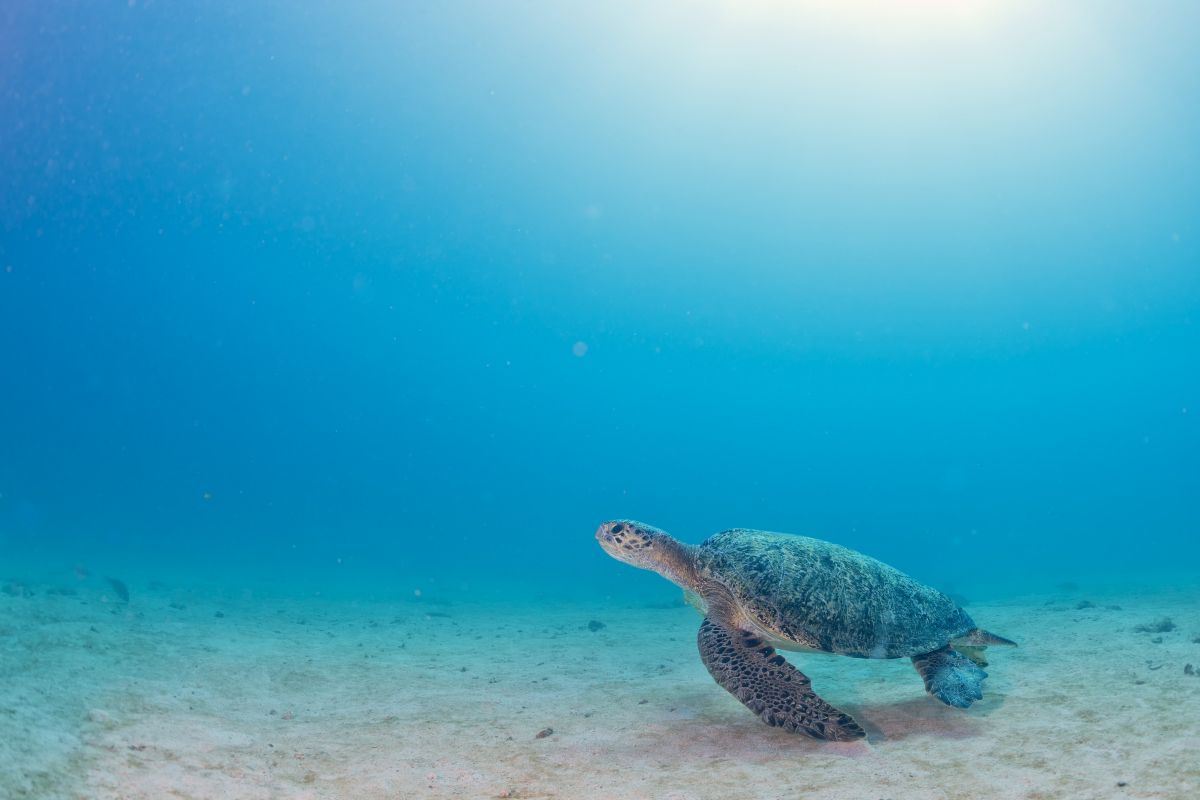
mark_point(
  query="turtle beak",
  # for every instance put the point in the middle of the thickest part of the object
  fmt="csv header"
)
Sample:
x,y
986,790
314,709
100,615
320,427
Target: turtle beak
x,y
606,535
604,532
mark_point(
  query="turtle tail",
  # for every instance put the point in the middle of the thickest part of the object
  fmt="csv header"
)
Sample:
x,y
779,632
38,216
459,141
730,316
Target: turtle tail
x,y
978,637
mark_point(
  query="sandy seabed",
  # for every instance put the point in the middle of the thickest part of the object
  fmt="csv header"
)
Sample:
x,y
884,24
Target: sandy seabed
x,y
178,694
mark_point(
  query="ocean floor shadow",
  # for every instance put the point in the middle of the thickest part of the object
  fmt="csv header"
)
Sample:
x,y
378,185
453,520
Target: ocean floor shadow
x,y
697,727
921,716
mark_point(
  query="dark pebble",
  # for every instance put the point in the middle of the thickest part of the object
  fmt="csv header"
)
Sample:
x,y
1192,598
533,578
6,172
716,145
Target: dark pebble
x,y
543,733
1156,640
1164,625
596,625
1082,604
119,587
1188,669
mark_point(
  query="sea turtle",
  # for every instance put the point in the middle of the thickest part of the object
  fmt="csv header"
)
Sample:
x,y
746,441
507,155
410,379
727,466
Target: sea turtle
x,y
760,590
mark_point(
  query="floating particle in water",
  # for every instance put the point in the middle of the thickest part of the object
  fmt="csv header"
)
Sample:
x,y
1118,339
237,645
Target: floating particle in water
x,y
579,349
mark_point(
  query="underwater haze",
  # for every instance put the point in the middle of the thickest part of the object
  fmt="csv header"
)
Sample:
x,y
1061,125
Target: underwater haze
x,y
343,343
407,296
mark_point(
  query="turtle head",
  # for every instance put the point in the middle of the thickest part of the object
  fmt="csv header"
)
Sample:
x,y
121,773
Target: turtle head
x,y
631,542
647,547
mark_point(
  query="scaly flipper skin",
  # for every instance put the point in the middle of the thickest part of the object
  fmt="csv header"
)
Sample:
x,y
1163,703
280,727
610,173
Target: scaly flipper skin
x,y
768,685
951,677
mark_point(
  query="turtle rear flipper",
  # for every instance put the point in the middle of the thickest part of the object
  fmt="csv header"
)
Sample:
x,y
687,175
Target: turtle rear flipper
x,y
951,677
781,695
974,653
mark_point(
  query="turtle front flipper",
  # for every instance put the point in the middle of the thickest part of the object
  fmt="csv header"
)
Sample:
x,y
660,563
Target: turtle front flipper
x,y
768,685
951,677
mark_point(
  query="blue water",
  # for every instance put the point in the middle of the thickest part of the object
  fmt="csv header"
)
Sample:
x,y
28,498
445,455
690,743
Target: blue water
x,y
384,297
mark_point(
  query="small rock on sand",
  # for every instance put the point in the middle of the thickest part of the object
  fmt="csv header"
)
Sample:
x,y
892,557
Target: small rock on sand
x,y
1161,626
15,588
120,588
543,733
101,717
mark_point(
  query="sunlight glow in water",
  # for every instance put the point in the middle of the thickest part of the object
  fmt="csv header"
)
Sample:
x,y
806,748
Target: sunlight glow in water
x,y
887,17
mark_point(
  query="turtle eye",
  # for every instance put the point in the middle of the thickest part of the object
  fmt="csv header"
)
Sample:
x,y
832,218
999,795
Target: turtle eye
x,y
618,527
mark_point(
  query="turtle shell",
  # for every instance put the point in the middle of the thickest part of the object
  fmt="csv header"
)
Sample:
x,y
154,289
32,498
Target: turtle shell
x,y
828,597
